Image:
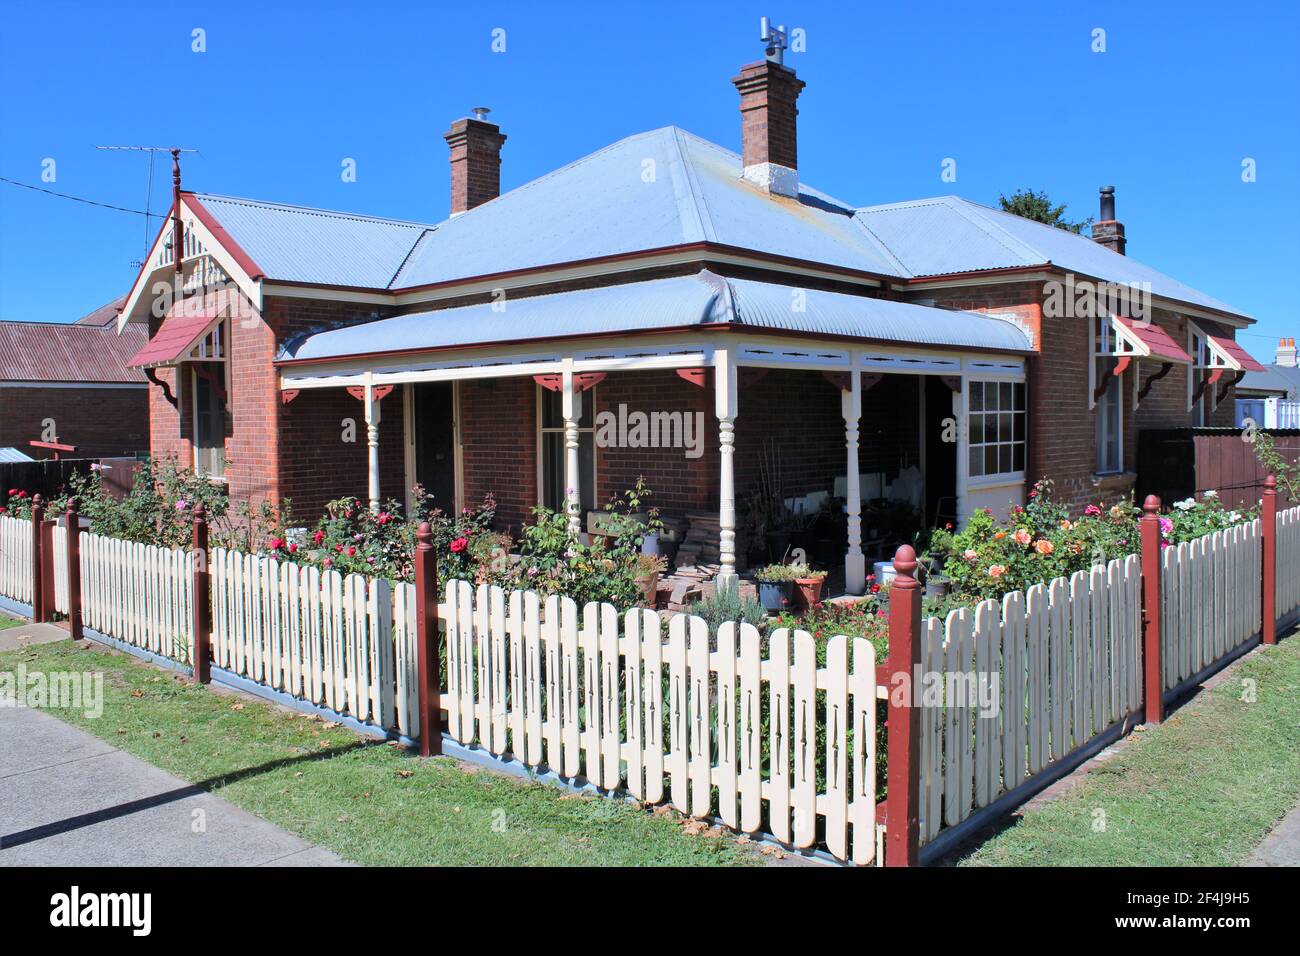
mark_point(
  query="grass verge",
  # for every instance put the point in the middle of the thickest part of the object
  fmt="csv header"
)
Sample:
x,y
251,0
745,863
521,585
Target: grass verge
x,y
1201,789
369,801
8,622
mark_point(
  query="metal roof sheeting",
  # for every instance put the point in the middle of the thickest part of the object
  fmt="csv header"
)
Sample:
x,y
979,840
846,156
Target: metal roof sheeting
x,y
678,302
52,352
948,234
296,244
1283,380
13,455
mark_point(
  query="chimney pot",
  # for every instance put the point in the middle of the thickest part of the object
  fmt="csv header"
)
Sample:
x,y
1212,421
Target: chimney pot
x,y
769,151
1286,353
475,161
1107,231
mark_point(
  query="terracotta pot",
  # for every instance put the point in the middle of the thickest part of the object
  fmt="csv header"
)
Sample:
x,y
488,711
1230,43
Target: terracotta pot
x,y
649,585
808,591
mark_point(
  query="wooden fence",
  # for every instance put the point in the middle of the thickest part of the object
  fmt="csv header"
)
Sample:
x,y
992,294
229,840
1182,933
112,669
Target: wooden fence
x,y
343,643
1288,562
137,593
734,727
1025,681
1211,600
16,559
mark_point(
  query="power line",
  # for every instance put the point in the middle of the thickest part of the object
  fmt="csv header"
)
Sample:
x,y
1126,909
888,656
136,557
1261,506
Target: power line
x,y
89,202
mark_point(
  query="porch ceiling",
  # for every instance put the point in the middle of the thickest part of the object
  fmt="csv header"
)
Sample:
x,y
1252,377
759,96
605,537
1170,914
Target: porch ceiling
x,y
700,301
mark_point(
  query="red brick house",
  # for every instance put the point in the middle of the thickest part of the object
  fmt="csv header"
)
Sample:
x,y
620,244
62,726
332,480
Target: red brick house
x,y
69,384
937,351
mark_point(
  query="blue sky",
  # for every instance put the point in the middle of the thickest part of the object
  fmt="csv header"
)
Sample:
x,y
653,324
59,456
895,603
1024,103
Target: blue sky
x,y
1183,93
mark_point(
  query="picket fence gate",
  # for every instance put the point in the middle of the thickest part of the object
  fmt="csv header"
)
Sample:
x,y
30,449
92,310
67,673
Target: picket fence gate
x,y
16,559
345,643
1067,660
139,594
613,698
1211,599
1288,561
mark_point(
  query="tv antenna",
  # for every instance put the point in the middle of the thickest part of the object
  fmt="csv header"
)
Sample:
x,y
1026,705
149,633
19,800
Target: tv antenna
x,y
148,196
774,37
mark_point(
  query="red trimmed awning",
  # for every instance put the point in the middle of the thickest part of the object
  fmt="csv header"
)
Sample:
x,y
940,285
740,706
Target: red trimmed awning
x,y
1151,341
1233,355
177,335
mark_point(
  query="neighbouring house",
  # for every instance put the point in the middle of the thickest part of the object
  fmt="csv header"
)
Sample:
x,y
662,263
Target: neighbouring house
x,y
66,389
665,307
1270,397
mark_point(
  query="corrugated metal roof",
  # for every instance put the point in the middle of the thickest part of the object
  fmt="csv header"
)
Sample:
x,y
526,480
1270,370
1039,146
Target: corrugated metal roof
x,y
297,244
948,234
174,338
52,352
8,455
1157,341
678,302
656,189
104,314
1281,380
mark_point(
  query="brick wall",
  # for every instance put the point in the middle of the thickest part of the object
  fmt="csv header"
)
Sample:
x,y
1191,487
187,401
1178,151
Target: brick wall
x,y
101,422
498,433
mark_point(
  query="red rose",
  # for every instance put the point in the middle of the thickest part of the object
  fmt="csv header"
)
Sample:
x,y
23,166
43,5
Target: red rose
x,y
459,545
293,548
351,551
338,547
277,544
318,537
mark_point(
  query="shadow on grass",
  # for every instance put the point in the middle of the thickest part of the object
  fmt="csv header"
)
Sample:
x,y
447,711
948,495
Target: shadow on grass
x,y
47,830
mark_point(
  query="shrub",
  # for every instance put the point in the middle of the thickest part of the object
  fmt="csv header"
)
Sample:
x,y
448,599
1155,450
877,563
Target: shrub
x,y
726,604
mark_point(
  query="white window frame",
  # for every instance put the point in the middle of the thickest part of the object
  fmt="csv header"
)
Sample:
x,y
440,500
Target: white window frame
x,y
996,477
1108,342
1198,347
209,350
588,396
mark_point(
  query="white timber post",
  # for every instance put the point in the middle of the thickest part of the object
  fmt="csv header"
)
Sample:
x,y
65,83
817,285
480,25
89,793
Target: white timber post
x,y
855,564
372,442
724,384
571,409
963,451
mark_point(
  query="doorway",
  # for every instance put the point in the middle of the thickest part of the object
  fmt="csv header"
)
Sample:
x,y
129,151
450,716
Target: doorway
x,y
433,407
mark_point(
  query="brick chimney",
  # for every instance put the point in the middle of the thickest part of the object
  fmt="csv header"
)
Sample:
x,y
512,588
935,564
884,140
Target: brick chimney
x,y
768,92
475,161
1106,231
1286,354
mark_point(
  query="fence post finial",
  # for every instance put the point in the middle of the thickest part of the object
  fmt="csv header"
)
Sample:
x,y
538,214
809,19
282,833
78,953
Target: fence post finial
x,y
1153,687
73,522
903,807
1268,539
426,641
202,608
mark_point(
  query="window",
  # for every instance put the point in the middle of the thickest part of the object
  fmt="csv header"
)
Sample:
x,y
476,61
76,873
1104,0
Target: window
x,y
1200,394
209,421
551,443
1109,405
997,428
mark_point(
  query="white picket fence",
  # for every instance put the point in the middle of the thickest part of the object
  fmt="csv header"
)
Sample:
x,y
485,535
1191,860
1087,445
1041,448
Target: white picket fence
x,y
59,544
1210,591
343,643
1288,561
16,559
614,699
1067,663
138,593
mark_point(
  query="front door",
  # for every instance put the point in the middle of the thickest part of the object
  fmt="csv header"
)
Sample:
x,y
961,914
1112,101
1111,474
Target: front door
x,y
435,442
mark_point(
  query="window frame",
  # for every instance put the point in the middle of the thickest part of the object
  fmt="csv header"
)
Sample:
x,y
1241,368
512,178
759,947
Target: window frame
x,y
1020,407
542,430
211,350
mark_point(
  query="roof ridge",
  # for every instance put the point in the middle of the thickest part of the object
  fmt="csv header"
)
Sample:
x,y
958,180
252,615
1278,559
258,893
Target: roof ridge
x,y
314,210
880,246
994,231
693,201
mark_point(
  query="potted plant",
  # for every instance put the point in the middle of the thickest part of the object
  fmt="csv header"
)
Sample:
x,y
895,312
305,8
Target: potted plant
x,y
775,586
808,585
648,569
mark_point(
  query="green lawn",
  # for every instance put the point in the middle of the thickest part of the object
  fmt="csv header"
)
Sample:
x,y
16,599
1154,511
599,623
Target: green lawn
x,y
8,622
1201,789
369,801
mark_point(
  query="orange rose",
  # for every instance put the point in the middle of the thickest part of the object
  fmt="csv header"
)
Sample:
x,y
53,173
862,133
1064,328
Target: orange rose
x,y
1043,546
1023,537
1066,526
999,535
997,570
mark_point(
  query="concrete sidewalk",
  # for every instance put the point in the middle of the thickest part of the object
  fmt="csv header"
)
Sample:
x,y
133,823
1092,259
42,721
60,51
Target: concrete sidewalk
x,y
70,799
1282,845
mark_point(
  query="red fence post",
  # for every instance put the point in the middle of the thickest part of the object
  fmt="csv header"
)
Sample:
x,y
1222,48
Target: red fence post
x,y
38,560
903,804
201,615
426,641
1268,533
1153,679
74,569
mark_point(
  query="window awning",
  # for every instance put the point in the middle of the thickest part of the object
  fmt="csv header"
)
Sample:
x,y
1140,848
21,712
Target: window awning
x,y
1224,351
1146,340
175,339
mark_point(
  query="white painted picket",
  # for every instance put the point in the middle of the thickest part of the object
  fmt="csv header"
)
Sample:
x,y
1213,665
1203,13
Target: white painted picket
x,y
59,544
138,593
673,712
1288,561
344,643
16,559
1013,686
1210,592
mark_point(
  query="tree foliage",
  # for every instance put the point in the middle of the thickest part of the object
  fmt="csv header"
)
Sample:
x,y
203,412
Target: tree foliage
x,y
1030,204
